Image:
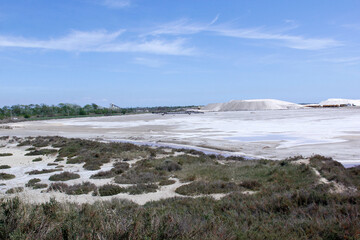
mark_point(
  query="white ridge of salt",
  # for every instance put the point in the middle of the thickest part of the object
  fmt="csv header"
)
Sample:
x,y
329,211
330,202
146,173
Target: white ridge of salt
x,y
251,105
340,101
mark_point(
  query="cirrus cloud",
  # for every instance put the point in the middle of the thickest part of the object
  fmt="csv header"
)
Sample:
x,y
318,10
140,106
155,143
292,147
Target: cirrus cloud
x,y
99,41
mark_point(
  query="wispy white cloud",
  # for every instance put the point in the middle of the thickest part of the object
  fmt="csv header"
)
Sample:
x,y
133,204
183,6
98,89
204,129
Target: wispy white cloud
x,y
149,62
185,27
115,3
99,41
291,41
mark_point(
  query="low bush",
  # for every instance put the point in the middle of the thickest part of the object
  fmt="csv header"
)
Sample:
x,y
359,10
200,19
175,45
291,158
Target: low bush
x,y
5,154
58,187
30,149
166,182
32,182
42,152
37,159
6,176
14,190
52,164
4,167
103,175
120,167
92,166
202,187
59,159
110,189
83,188
250,184
39,186
43,171
169,166
64,176
134,176
331,170
141,188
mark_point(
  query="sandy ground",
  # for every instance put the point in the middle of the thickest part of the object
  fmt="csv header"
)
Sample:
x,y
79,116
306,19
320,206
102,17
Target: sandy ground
x,y
21,165
273,134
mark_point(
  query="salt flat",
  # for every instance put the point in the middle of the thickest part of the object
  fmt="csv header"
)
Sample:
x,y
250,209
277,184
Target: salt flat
x,y
273,134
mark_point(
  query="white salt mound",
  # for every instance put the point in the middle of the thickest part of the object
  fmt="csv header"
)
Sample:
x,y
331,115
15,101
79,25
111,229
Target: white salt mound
x,y
251,105
340,101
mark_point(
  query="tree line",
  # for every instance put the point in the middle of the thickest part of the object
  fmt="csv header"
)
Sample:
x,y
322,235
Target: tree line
x,y
71,110
62,109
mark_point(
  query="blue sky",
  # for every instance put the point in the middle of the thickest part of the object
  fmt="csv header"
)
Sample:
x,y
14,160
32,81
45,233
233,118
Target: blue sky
x,y
151,53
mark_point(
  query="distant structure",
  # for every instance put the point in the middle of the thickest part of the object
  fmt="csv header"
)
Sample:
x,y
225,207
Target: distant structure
x,y
113,106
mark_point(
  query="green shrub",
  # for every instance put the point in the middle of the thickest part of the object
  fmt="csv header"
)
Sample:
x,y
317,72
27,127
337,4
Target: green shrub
x,y
43,171
202,187
37,159
64,176
83,188
6,176
40,185
331,170
103,175
30,149
32,182
92,166
59,159
141,188
5,154
110,189
58,187
4,167
250,184
14,190
134,176
42,152
169,166
167,182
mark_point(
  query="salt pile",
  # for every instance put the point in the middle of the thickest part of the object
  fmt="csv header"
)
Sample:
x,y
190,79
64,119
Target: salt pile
x,y
251,105
340,101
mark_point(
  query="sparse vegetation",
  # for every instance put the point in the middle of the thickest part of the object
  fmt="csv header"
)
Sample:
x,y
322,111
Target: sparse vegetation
x,y
44,151
331,170
32,182
40,186
43,171
166,182
135,176
5,154
6,176
4,167
141,188
14,190
103,175
202,187
37,159
64,176
83,188
289,203
110,189
169,165
57,187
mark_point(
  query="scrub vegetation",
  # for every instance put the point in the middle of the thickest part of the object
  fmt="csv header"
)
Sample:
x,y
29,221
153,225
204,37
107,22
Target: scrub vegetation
x,y
67,110
262,199
5,154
